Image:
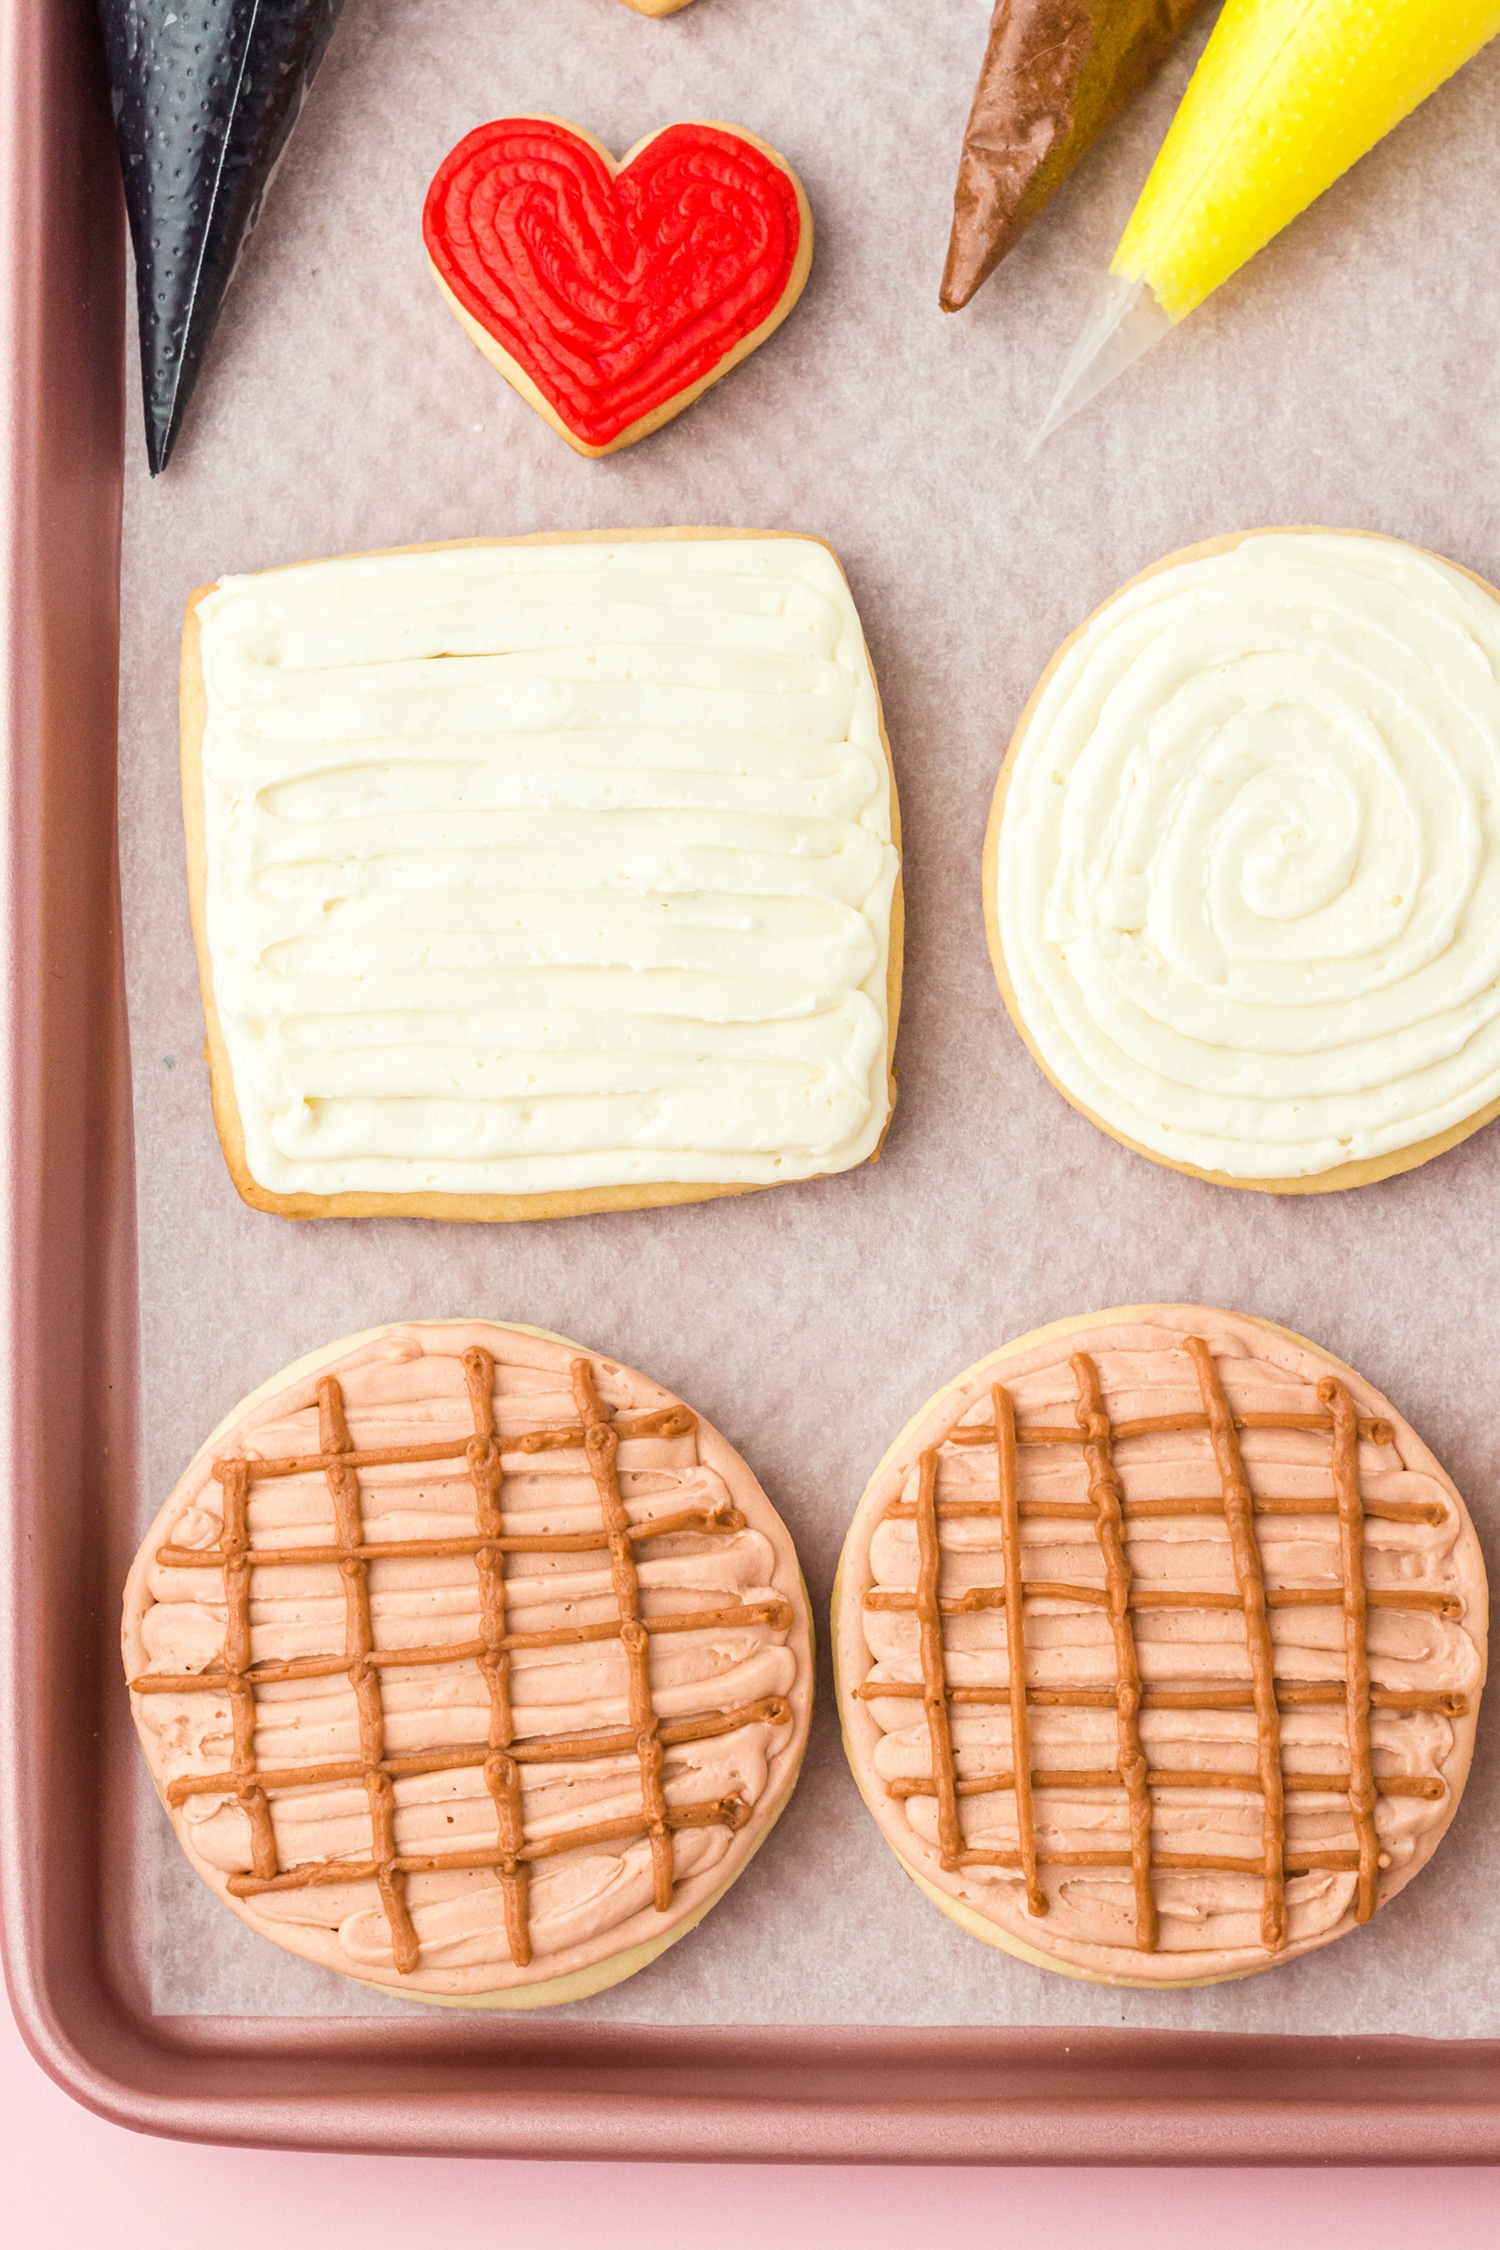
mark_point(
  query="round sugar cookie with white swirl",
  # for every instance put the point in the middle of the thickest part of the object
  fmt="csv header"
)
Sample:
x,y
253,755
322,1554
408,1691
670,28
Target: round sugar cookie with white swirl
x,y
469,1663
1242,873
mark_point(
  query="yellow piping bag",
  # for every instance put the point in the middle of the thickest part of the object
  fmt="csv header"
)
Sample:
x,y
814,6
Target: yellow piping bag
x,y
1287,96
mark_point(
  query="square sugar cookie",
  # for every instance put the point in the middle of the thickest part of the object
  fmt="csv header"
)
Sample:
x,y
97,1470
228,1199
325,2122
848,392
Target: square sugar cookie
x,y
541,876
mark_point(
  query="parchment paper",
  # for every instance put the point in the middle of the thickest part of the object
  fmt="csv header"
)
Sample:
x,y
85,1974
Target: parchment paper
x,y
1351,376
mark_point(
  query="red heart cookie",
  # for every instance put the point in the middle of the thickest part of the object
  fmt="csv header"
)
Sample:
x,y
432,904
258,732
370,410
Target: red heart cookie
x,y
610,296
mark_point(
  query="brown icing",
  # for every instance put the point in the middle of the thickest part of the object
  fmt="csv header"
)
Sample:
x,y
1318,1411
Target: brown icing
x,y
499,1758
934,1677
1107,1494
1355,1603
601,1443
1119,1596
1114,1504
1054,73
1239,1515
1015,1640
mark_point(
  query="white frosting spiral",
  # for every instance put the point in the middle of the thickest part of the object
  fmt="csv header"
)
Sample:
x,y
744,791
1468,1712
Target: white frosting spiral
x,y
1248,867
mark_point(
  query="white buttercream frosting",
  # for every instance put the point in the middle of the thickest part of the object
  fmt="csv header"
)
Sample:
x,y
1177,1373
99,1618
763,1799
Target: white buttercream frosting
x,y
535,868
1248,876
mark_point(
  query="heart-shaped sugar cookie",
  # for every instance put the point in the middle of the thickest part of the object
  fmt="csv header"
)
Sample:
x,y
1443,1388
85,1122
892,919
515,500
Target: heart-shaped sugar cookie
x,y
610,295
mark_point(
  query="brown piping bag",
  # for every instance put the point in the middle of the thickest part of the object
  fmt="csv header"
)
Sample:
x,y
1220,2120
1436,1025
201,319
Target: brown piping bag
x,y
1054,73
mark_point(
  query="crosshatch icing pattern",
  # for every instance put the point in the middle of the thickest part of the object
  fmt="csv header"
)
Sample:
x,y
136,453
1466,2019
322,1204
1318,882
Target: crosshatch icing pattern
x,y
469,1661
1160,1650
543,869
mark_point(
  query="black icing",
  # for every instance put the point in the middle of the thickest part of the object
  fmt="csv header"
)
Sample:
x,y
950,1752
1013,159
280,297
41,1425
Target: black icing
x,y
205,94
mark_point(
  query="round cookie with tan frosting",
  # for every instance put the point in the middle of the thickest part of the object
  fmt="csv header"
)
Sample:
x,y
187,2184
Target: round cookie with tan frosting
x,y
469,1663
1159,1638
1242,875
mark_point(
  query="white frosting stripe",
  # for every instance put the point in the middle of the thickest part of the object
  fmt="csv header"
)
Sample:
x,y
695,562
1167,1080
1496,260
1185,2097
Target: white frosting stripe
x,y
1249,865
537,868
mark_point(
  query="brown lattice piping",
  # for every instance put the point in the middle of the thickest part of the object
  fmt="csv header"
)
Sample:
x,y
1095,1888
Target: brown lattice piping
x,y
1249,1572
1111,1515
501,1755
1106,1492
1015,1640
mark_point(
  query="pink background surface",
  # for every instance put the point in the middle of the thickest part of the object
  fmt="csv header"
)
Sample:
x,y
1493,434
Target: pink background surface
x,y
71,2179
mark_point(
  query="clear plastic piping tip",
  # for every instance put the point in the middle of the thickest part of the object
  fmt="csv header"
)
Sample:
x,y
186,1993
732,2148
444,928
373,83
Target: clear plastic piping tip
x,y
1124,321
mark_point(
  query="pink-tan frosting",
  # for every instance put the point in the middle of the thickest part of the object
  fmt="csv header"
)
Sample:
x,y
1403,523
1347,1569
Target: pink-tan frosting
x,y
1209,1922
403,1386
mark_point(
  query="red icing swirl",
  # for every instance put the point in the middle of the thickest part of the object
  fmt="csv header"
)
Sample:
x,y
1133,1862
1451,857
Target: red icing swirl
x,y
613,292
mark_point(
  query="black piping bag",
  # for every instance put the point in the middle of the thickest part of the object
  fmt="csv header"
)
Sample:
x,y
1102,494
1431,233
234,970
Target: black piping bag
x,y
205,95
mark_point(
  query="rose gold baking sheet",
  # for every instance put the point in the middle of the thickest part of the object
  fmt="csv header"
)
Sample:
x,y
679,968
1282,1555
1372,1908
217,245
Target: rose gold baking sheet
x,y
1351,378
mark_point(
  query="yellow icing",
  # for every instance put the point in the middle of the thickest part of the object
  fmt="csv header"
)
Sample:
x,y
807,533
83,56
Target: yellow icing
x,y
1288,94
